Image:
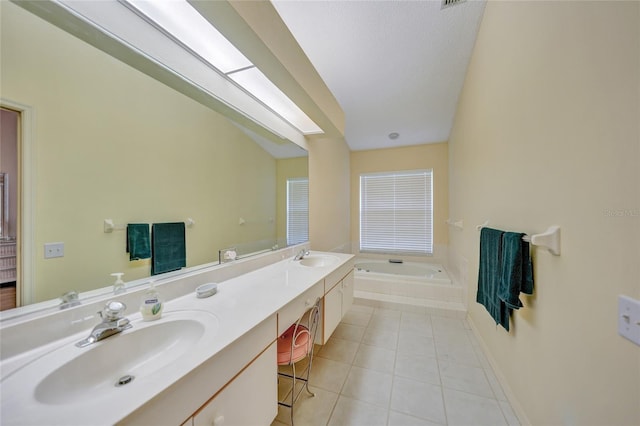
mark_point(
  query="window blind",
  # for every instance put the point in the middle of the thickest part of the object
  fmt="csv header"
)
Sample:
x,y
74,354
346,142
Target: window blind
x,y
297,210
396,212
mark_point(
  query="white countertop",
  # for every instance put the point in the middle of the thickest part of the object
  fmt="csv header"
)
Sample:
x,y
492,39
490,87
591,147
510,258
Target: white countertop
x,y
240,305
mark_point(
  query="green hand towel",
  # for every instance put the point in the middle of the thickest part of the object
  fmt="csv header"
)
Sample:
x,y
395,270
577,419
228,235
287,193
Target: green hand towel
x,y
168,247
517,271
138,241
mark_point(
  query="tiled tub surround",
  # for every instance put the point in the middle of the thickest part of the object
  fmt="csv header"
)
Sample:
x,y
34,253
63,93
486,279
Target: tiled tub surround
x,y
399,367
246,308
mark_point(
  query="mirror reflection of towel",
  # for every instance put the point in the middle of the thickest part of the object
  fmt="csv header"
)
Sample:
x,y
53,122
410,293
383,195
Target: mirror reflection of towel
x,y
168,247
138,241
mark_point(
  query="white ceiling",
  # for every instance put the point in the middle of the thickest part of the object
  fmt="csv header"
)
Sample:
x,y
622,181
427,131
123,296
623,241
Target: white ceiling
x,y
394,66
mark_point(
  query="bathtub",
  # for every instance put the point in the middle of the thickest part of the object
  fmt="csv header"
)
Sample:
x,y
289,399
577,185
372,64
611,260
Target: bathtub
x,y
413,283
428,272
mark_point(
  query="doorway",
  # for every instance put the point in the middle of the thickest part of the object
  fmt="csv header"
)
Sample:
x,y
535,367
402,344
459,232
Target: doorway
x,y
10,125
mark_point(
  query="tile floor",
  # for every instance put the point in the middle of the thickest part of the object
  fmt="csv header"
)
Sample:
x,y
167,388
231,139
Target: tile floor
x,y
399,367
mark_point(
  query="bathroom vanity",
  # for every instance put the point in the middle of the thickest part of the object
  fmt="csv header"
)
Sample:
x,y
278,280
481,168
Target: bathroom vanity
x,y
204,362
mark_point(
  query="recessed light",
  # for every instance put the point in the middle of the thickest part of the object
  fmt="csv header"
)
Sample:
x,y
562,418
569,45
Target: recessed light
x,y
394,135
186,25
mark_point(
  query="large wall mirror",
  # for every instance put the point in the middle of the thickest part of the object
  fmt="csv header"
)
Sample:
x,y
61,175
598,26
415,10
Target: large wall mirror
x,y
109,142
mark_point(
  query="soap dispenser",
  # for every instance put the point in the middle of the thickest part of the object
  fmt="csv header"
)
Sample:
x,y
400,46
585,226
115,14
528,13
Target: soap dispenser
x,y
118,286
151,306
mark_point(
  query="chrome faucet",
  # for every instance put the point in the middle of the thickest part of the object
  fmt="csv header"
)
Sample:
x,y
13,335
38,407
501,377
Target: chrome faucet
x,y
113,322
302,254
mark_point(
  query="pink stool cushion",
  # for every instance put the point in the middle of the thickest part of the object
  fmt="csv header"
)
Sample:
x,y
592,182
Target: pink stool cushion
x,y
300,348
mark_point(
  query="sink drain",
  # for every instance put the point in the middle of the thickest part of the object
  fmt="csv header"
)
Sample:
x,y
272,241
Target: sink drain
x,y
124,380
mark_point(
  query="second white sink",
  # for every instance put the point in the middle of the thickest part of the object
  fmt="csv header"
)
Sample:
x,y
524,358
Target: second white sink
x,y
319,260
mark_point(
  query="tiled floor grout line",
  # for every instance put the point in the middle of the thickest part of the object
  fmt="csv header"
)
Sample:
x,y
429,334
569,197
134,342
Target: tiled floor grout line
x,y
342,387
435,348
493,390
393,376
347,374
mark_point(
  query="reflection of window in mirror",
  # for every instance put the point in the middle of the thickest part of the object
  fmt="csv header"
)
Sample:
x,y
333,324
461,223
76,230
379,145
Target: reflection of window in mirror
x,y
9,126
297,210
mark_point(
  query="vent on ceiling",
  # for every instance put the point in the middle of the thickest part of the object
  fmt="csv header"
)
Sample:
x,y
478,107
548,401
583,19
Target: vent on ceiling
x,y
449,3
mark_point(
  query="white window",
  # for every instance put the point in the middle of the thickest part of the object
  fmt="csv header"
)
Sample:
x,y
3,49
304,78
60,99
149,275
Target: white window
x,y
396,212
297,210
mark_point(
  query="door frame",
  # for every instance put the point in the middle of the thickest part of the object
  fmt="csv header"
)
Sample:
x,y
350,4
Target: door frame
x,y
25,268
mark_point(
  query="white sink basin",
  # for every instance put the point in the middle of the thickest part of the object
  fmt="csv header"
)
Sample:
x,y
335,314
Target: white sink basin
x,y
319,260
74,376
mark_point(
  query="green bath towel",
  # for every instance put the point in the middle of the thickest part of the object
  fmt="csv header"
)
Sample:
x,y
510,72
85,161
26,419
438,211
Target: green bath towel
x,y
168,247
138,241
489,276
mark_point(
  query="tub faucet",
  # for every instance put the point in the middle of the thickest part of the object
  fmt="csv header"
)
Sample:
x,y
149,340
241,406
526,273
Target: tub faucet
x,y
302,254
113,322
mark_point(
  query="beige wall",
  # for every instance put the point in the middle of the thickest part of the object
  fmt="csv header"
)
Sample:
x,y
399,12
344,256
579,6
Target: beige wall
x,y
287,168
546,133
427,156
110,142
329,194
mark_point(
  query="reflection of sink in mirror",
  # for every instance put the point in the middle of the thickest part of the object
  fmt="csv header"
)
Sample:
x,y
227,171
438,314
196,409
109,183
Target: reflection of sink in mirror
x,y
316,260
71,375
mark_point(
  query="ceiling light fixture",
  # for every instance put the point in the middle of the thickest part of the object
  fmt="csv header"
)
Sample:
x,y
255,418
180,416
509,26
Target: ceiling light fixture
x,y
183,23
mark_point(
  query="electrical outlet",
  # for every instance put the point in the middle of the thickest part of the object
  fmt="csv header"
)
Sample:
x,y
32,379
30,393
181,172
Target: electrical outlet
x,y
629,318
52,250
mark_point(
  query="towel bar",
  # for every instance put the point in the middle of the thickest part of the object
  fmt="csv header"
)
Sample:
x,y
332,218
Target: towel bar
x,y
109,226
455,223
549,239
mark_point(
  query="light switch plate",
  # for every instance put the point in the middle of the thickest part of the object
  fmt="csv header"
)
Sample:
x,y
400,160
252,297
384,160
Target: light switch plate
x,y
53,250
629,318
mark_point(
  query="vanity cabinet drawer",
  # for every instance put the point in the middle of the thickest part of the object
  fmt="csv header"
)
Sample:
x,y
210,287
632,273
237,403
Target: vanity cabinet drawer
x,y
290,313
250,399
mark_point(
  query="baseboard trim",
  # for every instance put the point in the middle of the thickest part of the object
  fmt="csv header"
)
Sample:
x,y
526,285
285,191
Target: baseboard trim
x,y
506,389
